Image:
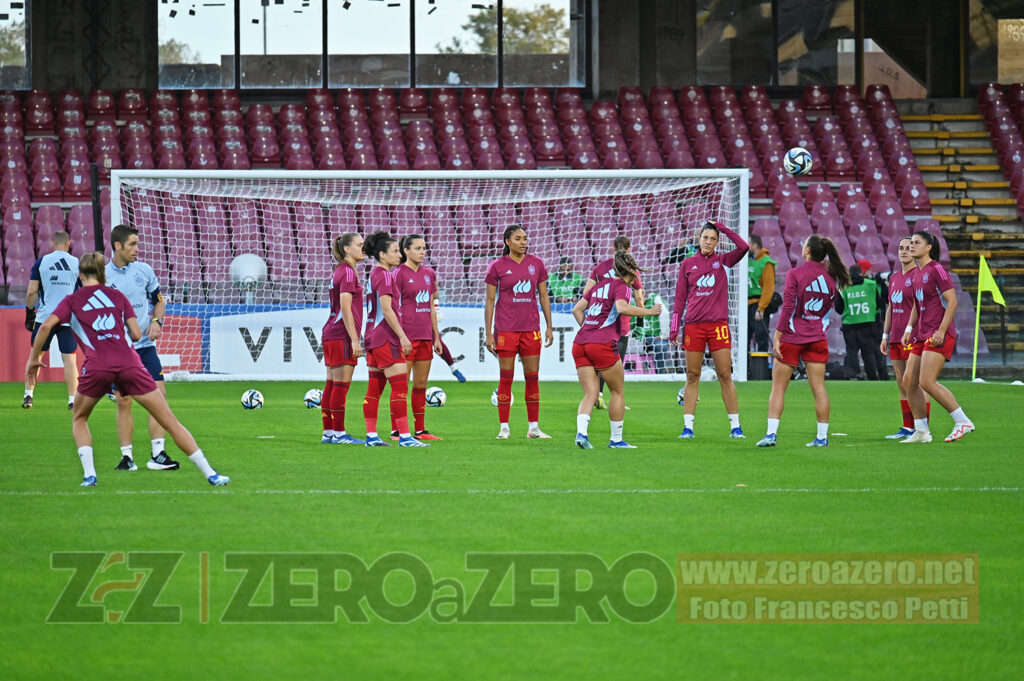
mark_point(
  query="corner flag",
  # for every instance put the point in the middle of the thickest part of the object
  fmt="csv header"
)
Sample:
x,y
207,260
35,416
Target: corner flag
x,y
986,282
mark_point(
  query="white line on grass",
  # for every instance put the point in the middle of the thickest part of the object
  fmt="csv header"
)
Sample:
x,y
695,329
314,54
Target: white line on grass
x,y
238,489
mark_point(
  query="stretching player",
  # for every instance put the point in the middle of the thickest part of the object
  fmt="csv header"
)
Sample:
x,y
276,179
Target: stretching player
x,y
516,282
702,306
340,337
595,348
99,316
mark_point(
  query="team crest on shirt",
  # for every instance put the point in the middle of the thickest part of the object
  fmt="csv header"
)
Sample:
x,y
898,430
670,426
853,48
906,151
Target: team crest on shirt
x,y
426,278
924,278
716,264
139,280
532,270
908,282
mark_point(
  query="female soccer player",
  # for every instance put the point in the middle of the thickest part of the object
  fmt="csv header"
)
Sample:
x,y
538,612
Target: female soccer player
x,y
515,283
595,349
897,315
340,338
416,285
934,340
702,304
99,315
387,346
803,320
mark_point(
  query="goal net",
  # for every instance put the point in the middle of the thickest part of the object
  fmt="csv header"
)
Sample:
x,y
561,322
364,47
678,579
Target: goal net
x,y
267,324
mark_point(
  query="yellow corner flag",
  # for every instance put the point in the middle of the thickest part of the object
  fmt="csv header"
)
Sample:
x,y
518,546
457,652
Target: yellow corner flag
x,y
986,282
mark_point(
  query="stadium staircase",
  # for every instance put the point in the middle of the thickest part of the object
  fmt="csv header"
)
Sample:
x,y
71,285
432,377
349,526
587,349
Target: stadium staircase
x,y
972,198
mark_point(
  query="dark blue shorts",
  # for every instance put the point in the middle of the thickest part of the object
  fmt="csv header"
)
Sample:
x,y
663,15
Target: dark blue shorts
x,y
66,340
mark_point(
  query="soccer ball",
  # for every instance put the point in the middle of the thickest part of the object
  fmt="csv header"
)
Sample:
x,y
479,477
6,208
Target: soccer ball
x,y
252,399
312,398
681,396
797,161
494,398
436,397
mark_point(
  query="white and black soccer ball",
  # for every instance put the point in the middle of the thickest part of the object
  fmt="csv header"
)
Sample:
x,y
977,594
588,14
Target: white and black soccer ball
x,y
681,396
312,398
797,161
252,399
436,397
494,398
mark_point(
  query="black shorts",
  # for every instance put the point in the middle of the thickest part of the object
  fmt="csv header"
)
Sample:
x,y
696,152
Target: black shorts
x,y
66,340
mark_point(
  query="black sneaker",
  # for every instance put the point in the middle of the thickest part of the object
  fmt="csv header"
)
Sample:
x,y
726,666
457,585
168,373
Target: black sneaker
x,y
71,406
127,464
394,435
162,462
27,402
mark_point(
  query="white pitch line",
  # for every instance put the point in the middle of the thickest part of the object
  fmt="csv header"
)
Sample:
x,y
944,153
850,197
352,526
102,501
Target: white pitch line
x,y
499,492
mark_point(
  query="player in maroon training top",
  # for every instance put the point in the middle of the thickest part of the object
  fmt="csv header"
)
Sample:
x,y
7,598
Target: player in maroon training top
x,y
606,269
702,305
516,282
595,348
897,316
387,344
417,291
801,334
933,334
340,338
103,319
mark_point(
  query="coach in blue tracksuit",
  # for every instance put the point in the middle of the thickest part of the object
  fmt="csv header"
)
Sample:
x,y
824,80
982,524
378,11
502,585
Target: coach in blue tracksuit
x,y
137,281
54,276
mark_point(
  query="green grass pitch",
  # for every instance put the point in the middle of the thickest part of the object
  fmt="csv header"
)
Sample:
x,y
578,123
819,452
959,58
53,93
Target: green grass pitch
x,y
471,493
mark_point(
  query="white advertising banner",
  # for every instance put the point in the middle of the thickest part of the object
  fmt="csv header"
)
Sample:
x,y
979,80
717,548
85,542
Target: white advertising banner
x,y
285,344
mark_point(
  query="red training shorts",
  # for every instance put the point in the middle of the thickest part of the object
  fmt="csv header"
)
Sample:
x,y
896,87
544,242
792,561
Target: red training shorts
x,y
712,335
898,350
338,352
601,356
422,351
523,343
946,349
130,381
792,353
384,356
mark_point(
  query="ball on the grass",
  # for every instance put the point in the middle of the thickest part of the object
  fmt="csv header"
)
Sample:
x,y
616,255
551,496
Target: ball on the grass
x,y
312,398
252,399
681,396
797,161
436,397
494,398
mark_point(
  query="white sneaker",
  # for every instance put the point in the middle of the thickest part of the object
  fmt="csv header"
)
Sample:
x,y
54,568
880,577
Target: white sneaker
x,y
503,434
922,436
538,434
959,430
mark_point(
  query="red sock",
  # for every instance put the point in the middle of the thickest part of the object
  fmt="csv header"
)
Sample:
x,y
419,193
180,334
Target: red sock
x,y
928,409
374,388
532,398
504,394
325,406
338,398
419,405
446,354
399,394
908,417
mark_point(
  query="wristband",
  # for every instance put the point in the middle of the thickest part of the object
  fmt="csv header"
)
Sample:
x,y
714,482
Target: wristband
x,y
885,336
158,321
909,329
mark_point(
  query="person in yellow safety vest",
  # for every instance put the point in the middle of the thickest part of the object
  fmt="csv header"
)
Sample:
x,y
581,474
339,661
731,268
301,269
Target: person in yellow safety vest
x,y
760,287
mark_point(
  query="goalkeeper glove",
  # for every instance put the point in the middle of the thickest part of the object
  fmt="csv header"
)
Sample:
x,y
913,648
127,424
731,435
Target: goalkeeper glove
x,y
30,318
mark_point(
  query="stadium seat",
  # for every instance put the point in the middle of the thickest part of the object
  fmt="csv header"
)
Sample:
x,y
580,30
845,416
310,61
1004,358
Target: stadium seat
x,y
131,105
226,99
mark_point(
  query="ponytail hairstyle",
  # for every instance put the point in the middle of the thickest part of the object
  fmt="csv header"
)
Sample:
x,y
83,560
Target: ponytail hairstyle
x,y
377,243
509,231
933,243
93,265
340,243
621,243
625,265
822,247
405,243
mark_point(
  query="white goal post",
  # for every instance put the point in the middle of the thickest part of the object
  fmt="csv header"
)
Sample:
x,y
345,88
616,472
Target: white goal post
x,y
253,326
